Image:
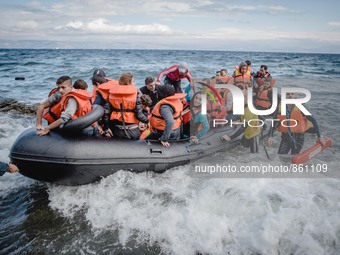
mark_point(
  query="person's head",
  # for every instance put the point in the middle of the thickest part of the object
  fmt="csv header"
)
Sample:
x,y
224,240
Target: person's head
x,y
98,77
197,99
248,62
165,91
182,68
146,101
80,84
243,67
224,72
126,79
206,81
64,84
218,74
150,83
290,95
263,69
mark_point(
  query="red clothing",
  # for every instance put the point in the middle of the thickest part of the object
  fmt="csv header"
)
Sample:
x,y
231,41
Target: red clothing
x,y
173,74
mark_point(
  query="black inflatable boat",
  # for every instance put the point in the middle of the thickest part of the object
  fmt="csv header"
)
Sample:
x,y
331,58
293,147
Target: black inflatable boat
x,y
81,160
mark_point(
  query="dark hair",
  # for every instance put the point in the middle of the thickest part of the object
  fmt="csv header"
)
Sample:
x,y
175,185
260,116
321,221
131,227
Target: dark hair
x,y
98,79
146,100
224,70
248,62
165,91
193,97
148,80
264,66
80,84
64,78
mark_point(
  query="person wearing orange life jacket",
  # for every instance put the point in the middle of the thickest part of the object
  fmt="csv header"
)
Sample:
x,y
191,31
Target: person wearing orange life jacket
x,y
126,110
174,75
292,138
165,120
72,105
242,76
264,95
224,77
49,106
262,75
101,87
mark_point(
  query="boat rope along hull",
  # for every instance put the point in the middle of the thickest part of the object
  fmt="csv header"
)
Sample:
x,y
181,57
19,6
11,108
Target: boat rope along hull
x,y
81,160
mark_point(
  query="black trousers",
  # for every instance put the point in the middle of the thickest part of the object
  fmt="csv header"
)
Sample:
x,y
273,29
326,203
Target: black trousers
x,y
291,142
250,143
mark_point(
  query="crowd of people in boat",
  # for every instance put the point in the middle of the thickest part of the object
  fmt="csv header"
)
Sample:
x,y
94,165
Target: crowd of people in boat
x,y
160,110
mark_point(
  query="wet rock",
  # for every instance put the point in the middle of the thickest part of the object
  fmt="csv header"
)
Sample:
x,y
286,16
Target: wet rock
x,y
12,105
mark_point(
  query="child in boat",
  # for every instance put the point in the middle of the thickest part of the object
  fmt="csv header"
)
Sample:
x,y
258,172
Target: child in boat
x,y
199,124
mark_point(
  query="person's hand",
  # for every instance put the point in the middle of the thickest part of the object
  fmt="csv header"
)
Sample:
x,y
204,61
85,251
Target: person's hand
x,y
270,141
165,144
108,133
100,130
321,140
194,139
43,131
158,83
12,168
225,138
39,126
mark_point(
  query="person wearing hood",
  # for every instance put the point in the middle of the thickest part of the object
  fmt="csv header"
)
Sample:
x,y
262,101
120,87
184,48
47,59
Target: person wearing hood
x,y
165,120
174,75
242,76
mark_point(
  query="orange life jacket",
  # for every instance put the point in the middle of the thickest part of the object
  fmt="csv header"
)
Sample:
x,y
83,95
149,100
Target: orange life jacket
x,y
242,79
158,122
83,99
103,89
295,114
226,79
186,114
215,111
52,113
262,99
123,102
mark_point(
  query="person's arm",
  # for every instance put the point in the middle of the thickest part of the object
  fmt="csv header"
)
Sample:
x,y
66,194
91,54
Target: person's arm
x,y
188,76
166,112
99,100
165,72
139,112
315,125
205,124
40,112
66,115
11,168
52,100
3,168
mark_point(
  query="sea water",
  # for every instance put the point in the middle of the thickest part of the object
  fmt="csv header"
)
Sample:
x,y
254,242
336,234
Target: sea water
x,y
175,212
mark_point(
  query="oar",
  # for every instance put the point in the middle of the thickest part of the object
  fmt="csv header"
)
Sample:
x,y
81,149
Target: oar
x,y
265,149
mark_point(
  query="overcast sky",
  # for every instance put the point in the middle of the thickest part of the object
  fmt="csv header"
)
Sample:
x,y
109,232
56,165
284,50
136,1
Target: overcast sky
x,y
268,25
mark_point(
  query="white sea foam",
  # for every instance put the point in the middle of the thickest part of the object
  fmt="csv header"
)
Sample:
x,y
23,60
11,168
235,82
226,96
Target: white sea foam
x,y
184,214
